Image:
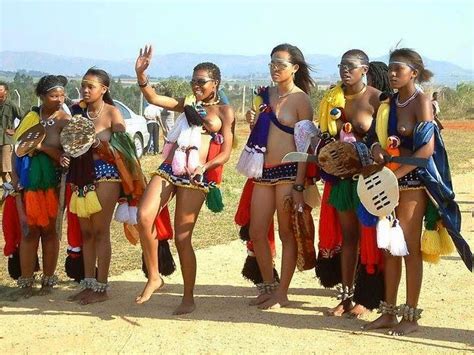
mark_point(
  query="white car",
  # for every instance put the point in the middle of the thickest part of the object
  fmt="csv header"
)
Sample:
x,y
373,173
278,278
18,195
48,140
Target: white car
x,y
135,125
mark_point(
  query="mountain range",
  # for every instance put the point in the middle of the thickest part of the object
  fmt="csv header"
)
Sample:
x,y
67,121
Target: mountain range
x,y
181,65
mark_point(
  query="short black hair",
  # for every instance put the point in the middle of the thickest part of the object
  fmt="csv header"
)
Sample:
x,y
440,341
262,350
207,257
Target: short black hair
x,y
47,82
4,84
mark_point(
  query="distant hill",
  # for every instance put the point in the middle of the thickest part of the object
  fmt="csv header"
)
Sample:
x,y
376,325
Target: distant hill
x,y
181,64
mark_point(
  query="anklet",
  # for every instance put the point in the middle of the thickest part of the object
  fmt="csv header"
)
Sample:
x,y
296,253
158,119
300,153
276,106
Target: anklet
x,y
100,287
387,308
409,313
267,287
87,283
344,292
49,281
24,282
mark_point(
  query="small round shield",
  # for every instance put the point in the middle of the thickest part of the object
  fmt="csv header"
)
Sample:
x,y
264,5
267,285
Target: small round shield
x,y
78,136
378,192
339,159
29,140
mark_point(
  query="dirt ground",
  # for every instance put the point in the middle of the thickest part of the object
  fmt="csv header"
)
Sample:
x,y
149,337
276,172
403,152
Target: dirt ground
x,y
224,323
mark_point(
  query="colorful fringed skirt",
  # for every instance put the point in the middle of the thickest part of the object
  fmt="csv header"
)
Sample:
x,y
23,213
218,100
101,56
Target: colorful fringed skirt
x,y
343,196
105,172
278,174
166,172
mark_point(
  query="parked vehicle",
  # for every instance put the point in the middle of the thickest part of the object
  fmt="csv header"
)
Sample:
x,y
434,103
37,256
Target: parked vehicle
x,y
135,126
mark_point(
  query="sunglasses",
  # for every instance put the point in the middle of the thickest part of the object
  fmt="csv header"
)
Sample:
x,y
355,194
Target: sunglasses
x,y
350,66
395,65
279,65
200,82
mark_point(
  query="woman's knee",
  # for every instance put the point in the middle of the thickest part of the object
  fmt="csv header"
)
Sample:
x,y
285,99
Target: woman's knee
x,y
145,218
182,240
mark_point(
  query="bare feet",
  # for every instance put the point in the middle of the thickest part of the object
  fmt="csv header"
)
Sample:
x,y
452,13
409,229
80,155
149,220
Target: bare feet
x,y
45,290
384,321
186,306
94,297
150,287
26,292
404,327
80,295
340,309
264,297
276,301
356,311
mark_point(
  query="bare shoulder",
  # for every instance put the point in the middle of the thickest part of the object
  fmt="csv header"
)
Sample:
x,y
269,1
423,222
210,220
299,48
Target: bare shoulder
x,y
373,92
226,112
424,111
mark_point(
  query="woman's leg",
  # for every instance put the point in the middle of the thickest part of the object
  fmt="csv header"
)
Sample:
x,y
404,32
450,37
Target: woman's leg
x,y
289,249
349,254
410,212
50,246
188,205
28,258
157,190
262,210
108,194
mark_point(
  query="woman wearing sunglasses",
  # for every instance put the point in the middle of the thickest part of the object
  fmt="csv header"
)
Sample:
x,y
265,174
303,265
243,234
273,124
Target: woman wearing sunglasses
x,y
358,104
284,108
194,156
411,120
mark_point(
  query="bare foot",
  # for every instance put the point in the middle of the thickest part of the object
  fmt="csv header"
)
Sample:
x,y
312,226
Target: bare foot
x,y
404,327
185,307
340,309
150,287
94,297
356,311
264,297
384,321
276,301
45,290
80,295
25,292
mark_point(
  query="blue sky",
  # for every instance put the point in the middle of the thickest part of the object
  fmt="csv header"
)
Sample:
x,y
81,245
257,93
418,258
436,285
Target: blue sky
x,y
108,29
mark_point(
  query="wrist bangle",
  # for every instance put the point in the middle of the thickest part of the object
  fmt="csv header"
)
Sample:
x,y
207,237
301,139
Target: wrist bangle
x,y
298,187
145,84
373,145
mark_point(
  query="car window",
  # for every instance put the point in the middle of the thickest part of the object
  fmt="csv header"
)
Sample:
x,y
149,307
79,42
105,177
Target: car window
x,y
125,113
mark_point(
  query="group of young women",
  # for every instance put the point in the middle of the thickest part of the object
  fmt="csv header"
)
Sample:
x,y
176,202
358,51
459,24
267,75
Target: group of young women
x,y
200,144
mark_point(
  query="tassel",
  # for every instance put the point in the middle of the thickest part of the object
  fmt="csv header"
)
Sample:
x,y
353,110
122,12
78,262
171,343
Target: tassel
x,y
122,214
74,265
42,217
193,159
369,289
91,203
383,232
133,213
431,242
430,258
178,165
251,271
14,268
81,207
214,200
447,245
398,245
166,265
365,217
328,270
73,203
52,203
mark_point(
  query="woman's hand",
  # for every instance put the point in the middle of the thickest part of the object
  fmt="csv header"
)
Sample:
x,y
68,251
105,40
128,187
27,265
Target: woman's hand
x,y
378,153
143,59
197,175
298,200
64,161
250,117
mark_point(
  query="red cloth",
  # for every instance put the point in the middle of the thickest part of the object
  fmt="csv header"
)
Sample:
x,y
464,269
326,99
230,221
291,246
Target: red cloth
x,y
11,226
216,173
370,255
330,232
164,230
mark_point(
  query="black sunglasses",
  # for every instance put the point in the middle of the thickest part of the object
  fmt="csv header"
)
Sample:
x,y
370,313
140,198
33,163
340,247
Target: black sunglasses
x,y
200,81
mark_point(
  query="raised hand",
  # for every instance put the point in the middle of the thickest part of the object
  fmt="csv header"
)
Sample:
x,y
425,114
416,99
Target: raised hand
x,y
143,59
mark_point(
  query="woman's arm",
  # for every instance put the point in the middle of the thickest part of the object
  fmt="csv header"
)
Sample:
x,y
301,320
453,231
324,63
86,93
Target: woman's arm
x,y
117,121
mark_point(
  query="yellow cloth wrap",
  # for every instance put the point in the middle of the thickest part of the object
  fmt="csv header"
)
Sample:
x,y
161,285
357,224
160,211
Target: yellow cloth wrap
x,y
381,123
429,258
334,98
73,203
30,120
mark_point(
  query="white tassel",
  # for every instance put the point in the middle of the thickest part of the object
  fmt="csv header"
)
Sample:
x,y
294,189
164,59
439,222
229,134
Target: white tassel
x,y
133,213
121,213
194,141
242,164
398,245
383,232
256,165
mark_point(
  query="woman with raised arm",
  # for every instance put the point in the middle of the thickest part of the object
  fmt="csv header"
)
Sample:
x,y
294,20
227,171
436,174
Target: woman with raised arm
x,y
284,114
197,147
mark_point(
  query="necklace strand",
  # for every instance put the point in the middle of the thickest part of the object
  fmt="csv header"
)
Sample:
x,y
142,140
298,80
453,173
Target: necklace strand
x,y
353,96
98,112
407,101
48,122
287,93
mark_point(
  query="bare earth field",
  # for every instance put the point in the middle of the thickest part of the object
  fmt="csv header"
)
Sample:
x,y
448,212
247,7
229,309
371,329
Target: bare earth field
x,y
223,322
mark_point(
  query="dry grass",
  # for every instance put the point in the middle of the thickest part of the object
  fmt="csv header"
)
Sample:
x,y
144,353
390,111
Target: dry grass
x,y
212,229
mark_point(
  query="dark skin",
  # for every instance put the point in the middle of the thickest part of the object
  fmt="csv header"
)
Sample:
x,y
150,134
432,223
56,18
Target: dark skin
x,y
360,110
219,118
412,204
50,109
8,131
95,230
